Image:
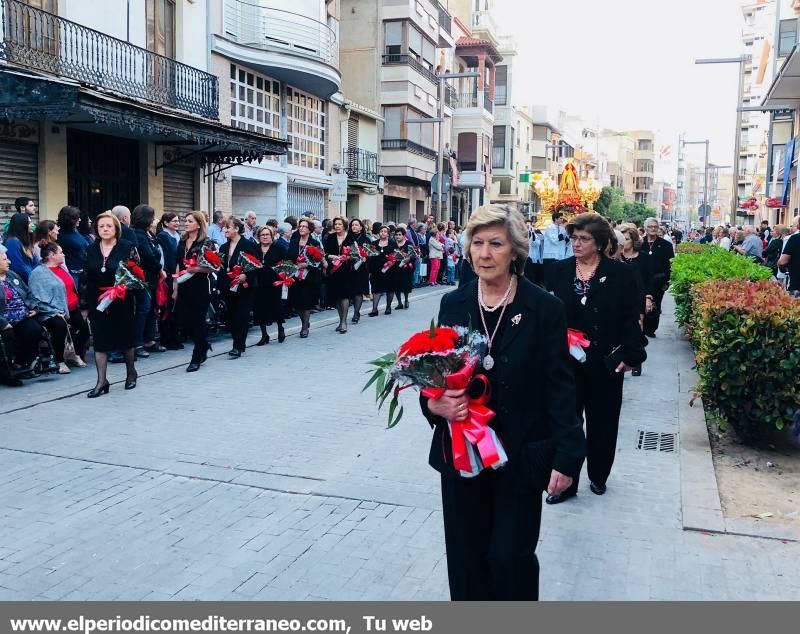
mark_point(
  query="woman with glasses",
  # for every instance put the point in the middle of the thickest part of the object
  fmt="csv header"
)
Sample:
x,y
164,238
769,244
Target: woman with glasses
x,y
268,306
603,301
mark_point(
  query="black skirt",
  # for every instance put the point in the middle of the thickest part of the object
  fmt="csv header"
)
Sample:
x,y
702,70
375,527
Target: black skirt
x,y
268,307
113,329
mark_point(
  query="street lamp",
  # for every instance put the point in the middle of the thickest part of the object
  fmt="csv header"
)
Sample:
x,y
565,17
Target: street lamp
x,y
442,78
741,60
705,177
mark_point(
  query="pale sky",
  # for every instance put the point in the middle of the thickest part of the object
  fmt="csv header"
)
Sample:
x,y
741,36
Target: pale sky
x,y
629,64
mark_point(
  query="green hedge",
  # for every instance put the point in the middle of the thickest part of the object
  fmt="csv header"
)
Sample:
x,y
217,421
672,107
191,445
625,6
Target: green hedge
x,y
748,353
708,263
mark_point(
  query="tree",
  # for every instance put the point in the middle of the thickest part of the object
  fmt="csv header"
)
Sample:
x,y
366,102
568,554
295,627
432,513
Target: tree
x,y
638,212
603,203
611,203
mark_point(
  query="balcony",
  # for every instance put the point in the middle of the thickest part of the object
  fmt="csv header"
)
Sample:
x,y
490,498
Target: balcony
x,y
483,24
467,100
45,42
450,96
472,179
361,165
408,146
286,46
412,62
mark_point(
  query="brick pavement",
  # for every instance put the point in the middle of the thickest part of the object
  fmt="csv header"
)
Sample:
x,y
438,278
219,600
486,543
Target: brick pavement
x,y
271,477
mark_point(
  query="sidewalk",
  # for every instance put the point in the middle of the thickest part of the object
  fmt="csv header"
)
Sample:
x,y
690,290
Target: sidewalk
x,y
272,478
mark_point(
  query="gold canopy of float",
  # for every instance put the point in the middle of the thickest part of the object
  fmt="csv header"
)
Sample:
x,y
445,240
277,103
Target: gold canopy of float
x,y
570,197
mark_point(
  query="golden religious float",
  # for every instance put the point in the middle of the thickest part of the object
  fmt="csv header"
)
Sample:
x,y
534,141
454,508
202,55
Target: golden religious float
x,y
570,197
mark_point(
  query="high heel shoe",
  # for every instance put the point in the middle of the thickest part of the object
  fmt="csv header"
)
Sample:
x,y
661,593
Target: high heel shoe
x,y
399,307
304,333
388,310
99,389
205,354
263,341
373,313
406,305
356,318
130,383
281,334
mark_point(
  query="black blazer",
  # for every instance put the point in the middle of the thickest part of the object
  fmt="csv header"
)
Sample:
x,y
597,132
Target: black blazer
x,y
229,260
659,263
150,255
169,248
533,387
611,315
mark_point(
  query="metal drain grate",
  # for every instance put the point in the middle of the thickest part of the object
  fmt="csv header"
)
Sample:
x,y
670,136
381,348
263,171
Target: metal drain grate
x,y
656,441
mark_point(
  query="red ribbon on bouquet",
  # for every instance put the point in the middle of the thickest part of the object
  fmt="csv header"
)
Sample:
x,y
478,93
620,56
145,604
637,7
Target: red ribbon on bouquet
x,y
188,263
341,259
577,338
234,274
285,280
113,293
390,262
474,427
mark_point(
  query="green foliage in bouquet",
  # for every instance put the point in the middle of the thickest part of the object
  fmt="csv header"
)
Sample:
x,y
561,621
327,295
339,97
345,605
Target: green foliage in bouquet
x,y
748,354
711,263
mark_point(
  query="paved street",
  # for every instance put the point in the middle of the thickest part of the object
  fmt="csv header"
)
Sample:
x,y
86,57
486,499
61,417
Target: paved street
x,y
271,477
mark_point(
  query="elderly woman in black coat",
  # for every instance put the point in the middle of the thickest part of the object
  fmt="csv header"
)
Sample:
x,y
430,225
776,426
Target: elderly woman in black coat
x,y
491,521
603,299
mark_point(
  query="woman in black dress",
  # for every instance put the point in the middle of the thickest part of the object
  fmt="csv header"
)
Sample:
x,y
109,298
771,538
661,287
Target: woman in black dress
x,y
142,221
339,282
402,277
603,300
114,328
304,294
240,300
168,239
360,278
193,296
381,282
268,305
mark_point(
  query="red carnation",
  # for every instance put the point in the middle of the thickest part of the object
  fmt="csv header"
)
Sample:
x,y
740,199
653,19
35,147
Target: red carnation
x,y
251,258
135,269
431,340
212,258
314,254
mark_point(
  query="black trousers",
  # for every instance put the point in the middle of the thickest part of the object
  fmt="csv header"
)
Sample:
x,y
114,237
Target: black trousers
x,y
240,305
491,528
599,402
192,312
27,335
652,318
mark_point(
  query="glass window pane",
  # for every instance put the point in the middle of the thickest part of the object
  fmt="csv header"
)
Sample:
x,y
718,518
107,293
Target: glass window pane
x,y
393,33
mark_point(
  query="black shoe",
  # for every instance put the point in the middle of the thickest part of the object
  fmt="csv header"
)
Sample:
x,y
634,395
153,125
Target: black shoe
x,y
356,318
374,313
342,331
406,304
399,307
388,310
304,333
281,334
339,328
263,341
597,489
155,348
637,371
131,382
98,390
141,353
235,354
561,497
193,367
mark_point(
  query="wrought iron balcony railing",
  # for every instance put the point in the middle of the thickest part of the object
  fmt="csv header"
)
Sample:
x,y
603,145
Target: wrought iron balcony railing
x,y
409,146
251,24
401,59
361,165
42,41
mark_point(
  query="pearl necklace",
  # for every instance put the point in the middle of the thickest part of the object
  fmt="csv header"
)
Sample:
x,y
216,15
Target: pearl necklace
x,y
502,301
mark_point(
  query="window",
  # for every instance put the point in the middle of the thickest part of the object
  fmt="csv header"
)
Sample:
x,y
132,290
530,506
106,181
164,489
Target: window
x,y
645,145
501,85
255,102
421,133
160,17
644,165
393,116
306,129
393,38
505,186
787,37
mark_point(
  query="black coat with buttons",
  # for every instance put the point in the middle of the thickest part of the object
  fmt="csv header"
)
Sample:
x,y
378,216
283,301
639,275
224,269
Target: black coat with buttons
x,y
533,388
610,317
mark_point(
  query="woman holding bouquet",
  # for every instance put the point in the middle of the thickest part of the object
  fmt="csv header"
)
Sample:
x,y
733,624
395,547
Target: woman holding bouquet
x,y
381,281
603,300
403,272
340,276
304,294
360,279
114,328
491,521
193,296
268,305
238,285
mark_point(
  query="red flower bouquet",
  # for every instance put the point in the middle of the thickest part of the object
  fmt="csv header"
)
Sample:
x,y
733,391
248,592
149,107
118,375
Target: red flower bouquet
x,y
436,360
310,256
129,276
208,259
365,251
391,260
246,264
287,273
342,259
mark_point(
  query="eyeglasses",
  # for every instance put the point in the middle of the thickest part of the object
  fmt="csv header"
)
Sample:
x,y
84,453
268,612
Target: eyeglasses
x,y
582,239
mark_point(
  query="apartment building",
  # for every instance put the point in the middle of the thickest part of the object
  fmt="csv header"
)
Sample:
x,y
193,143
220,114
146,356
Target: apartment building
x,y
117,106
643,165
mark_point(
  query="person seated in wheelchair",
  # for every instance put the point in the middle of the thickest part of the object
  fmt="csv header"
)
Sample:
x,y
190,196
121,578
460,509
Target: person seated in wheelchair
x,y
25,347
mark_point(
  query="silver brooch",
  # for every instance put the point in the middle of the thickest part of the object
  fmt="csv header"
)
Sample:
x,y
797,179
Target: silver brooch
x,y
603,280
16,282
516,319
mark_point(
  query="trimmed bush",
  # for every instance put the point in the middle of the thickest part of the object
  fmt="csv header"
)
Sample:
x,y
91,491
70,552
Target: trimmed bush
x,y
690,247
709,263
748,353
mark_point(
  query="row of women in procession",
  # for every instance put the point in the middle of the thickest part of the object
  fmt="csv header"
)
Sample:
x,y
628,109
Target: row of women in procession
x,y
147,288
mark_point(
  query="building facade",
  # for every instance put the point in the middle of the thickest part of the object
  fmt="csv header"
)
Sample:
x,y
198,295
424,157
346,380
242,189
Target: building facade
x,y
125,111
